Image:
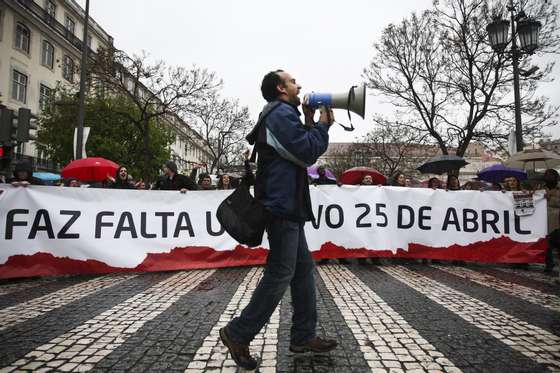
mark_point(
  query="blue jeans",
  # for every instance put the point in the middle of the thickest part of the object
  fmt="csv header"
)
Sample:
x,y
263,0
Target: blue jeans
x,y
289,263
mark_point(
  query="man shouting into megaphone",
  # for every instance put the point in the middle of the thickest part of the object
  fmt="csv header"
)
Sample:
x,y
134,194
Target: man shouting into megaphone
x,y
286,147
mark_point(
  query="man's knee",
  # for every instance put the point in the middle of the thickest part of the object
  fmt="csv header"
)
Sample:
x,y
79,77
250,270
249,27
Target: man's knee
x,y
280,274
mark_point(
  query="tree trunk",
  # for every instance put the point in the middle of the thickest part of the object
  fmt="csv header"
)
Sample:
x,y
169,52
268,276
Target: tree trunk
x,y
146,154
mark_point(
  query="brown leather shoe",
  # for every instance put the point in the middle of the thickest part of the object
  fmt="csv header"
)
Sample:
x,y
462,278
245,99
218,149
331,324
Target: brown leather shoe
x,y
239,352
316,344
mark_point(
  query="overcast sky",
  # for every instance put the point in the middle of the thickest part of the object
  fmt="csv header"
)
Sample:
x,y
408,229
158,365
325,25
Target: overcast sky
x,y
324,44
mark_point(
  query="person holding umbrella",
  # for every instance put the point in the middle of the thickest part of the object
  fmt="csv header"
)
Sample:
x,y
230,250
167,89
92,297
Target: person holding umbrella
x,y
367,180
453,183
362,176
512,184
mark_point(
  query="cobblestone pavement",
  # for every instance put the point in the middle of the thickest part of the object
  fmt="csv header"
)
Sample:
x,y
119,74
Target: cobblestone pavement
x,y
387,318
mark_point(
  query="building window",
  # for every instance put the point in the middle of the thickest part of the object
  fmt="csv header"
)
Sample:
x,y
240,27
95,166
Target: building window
x,y
50,11
23,36
70,26
47,54
68,68
44,96
19,86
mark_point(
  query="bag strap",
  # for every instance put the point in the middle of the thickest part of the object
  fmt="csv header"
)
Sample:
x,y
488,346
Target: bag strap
x,y
253,136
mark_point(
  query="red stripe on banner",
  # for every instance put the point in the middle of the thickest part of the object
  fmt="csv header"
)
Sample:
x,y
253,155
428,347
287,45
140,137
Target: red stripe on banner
x,y
496,250
499,250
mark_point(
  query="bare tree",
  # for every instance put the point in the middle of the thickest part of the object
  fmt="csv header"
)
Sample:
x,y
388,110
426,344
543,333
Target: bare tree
x,y
223,125
440,72
158,92
393,146
340,160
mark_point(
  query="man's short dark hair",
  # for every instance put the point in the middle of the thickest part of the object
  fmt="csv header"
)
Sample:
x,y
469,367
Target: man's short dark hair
x,y
269,83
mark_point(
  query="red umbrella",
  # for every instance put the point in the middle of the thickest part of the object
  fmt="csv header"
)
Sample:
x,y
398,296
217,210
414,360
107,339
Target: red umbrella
x,y
355,175
90,169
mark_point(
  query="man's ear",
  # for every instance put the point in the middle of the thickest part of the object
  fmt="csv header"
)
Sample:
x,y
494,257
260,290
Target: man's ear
x,y
281,88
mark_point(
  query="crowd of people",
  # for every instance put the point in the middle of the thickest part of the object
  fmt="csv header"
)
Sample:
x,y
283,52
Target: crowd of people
x,y
171,179
452,182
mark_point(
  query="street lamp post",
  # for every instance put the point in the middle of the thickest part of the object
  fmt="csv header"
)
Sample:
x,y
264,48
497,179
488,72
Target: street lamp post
x,y
528,32
82,97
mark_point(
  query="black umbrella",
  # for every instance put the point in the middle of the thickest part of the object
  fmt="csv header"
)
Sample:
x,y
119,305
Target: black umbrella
x,y
441,164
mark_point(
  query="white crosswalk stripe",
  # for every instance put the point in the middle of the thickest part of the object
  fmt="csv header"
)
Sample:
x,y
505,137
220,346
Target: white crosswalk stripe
x,y
88,343
385,338
21,312
532,341
214,356
526,293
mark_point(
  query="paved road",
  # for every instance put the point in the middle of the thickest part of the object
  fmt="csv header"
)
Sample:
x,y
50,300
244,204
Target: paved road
x,y
387,318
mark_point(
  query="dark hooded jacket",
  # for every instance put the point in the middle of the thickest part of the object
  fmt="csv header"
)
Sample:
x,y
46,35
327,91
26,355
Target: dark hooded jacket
x,y
286,147
177,182
25,165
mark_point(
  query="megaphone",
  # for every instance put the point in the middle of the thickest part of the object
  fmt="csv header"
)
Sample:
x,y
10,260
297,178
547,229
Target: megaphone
x,y
354,100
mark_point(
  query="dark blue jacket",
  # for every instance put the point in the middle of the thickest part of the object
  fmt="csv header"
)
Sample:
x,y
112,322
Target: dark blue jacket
x,y
285,149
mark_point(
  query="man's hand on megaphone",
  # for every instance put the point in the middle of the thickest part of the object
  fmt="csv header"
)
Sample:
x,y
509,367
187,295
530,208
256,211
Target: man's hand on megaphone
x,y
308,113
327,115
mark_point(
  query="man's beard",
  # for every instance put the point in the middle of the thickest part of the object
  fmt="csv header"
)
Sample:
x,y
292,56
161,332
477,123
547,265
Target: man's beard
x,y
296,101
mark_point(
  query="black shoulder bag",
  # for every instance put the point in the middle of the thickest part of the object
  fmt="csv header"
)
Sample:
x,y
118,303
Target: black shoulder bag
x,y
241,215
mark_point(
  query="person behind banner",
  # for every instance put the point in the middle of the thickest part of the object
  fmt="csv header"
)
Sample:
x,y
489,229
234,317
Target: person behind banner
x,y
452,183
72,183
224,182
172,180
552,195
322,179
367,180
434,183
205,182
23,175
400,180
121,180
286,147
512,184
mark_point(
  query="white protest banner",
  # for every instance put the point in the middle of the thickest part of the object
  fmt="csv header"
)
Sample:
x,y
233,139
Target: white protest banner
x,y
57,230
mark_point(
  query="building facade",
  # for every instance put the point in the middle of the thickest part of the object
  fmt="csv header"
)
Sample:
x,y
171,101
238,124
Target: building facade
x,y
40,49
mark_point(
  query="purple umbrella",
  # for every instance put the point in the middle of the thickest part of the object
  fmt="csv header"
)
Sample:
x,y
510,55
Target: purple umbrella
x,y
312,171
498,172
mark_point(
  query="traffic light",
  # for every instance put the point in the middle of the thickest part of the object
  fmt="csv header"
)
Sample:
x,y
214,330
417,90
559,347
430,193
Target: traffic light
x,y
8,127
25,123
6,152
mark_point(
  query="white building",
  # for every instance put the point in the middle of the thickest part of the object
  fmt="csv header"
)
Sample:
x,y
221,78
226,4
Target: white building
x,y
40,48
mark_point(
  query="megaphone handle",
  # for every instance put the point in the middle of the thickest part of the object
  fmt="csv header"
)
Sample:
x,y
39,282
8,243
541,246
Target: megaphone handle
x,y
346,128
351,94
